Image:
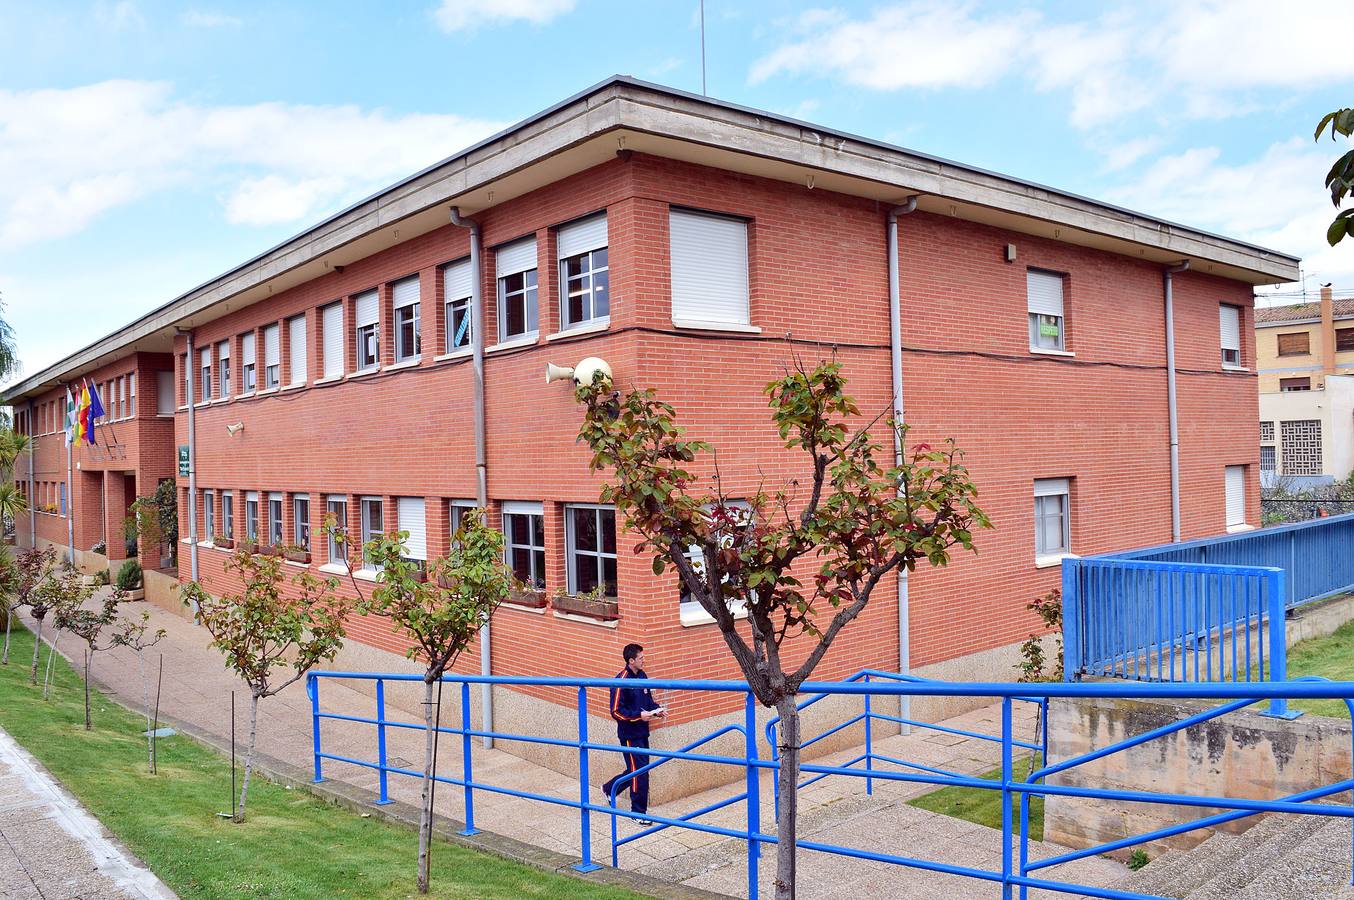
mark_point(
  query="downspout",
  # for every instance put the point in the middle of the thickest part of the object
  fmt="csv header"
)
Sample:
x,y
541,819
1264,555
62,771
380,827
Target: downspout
x,y
481,460
896,364
192,456
1172,411
32,511
70,494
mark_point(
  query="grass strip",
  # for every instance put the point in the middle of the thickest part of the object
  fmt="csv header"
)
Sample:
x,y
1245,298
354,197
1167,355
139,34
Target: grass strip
x,y
1331,656
984,806
292,845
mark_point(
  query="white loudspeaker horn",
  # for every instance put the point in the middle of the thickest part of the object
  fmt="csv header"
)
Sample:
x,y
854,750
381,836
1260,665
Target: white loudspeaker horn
x,y
557,373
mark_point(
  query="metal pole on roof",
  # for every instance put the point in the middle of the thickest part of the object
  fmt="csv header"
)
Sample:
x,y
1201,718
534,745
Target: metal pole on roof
x,y
704,92
1172,411
192,455
896,365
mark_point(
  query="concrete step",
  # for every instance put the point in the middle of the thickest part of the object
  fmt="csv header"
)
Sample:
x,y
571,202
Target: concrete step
x,y
1178,872
1258,849
1317,865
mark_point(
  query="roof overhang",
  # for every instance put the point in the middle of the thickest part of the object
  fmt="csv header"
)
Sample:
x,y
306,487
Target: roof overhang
x,y
623,113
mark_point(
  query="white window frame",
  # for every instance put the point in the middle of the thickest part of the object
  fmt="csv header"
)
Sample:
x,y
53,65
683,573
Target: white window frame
x,y
690,608
406,312
205,373
223,368
1234,476
458,301
227,514
251,516
527,293
297,363
1052,497
599,556
416,546
337,504
331,345
584,243
300,514
272,357
1045,310
456,512
276,535
209,514
535,552
131,395
1229,335
709,274
249,357
369,528
367,333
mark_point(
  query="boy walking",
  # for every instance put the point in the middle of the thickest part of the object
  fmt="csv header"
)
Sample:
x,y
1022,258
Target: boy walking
x,y
633,708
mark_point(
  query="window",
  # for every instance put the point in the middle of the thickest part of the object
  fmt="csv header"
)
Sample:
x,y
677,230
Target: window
x,y
208,515
251,516
227,514
524,547
223,369
1044,296
275,519
122,397
1052,525
457,511
737,516
405,299
272,358
1295,384
583,274
300,516
296,354
248,347
590,543
1234,486
709,261
331,326
336,505
1300,447
131,395
456,289
205,368
412,521
1344,340
516,267
164,393
1297,343
368,309
1267,432
1229,331
62,486
1267,459
373,526
187,376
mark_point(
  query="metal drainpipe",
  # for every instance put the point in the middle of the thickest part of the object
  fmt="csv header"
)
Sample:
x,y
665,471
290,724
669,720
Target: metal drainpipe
x,y
192,456
1172,411
896,363
481,460
32,510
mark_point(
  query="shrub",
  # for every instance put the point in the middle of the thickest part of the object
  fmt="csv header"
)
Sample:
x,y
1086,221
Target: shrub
x,y
101,577
129,576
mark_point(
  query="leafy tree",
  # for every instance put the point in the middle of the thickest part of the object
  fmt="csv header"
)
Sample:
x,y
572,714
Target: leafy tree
x,y
32,570
260,631
442,613
860,521
1049,608
135,635
68,597
9,350
1340,178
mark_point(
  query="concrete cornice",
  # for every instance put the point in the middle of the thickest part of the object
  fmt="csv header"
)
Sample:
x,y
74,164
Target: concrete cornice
x,y
572,134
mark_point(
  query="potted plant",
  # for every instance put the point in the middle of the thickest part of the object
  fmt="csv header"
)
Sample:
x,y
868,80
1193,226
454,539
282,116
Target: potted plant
x,y
129,580
524,595
594,604
249,545
100,548
221,540
296,554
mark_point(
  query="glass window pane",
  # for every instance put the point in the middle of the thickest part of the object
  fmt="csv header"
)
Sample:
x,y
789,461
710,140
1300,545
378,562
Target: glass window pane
x,y
601,306
538,558
538,531
609,576
585,529
608,524
587,574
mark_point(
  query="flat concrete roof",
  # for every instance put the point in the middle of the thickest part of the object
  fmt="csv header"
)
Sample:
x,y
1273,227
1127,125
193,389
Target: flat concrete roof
x,y
626,113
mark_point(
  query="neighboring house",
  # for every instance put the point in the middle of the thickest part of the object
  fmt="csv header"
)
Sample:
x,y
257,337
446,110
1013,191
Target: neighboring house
x,y
697,247
1305,357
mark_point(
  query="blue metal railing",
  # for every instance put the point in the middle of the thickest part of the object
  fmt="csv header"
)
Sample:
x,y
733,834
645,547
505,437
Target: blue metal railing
x,y
1017,873
1205,610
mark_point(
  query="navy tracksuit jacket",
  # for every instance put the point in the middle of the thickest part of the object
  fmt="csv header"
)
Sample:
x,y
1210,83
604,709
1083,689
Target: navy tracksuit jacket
x,y
626,705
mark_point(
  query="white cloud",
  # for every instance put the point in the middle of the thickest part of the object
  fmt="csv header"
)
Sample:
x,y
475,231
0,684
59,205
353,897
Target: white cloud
x,y
1122,154
915,45
197,18
70,155
464,15
123,15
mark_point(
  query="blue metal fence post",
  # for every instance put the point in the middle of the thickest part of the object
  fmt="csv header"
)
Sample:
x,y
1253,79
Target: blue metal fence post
x,y
869,743
1278,643
1072,623
313,689
586,865
754,789
467,763
1006,798
383,796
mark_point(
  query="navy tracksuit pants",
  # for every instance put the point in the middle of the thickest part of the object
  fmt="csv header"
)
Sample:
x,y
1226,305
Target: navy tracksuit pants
x,y
639,785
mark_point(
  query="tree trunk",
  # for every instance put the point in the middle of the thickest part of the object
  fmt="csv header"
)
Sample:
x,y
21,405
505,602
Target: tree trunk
x,y
789,797
145,695
47,676
249,753
89,658
425,818
37,642
9,618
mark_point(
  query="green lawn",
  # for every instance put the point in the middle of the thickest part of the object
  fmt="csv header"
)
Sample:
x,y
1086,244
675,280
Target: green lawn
x,y
1331,656
984,806
292,845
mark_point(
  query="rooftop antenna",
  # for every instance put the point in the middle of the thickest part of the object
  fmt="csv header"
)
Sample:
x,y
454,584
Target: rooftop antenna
x,y
704,92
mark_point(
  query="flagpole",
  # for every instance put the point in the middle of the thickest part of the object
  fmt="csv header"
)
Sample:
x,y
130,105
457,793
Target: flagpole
x,y
70,479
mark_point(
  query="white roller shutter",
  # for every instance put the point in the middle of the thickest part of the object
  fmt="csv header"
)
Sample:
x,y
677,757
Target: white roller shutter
x,y
412,521
164,393
456,280
582,236
519,256
405,292
1229,323
1045,293
332,326
205,358
223,350
296,337
248,348
272,348
368,309
709,267
1235,485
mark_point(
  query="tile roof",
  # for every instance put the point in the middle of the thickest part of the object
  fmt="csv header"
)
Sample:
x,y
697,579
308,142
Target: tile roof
x,y
1296,312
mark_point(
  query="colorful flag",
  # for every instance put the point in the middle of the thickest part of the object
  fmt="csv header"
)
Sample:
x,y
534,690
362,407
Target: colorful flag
x,y
83,429
95,404
70,417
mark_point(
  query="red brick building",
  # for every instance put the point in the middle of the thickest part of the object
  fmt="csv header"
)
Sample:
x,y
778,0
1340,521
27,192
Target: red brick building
x,y
694,246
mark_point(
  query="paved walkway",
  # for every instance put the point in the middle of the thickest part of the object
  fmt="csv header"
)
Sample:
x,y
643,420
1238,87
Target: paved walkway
x,y
51,849
197,691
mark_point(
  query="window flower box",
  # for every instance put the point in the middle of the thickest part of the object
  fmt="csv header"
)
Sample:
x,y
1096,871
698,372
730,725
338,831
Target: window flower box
x,y
249,546
529,598
604,609
296,554
220,540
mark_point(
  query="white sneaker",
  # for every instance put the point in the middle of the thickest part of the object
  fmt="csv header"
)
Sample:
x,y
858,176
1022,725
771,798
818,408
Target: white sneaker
x,y
640,821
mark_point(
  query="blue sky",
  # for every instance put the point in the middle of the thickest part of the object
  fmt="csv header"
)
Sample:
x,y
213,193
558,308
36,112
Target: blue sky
x,y
145,147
